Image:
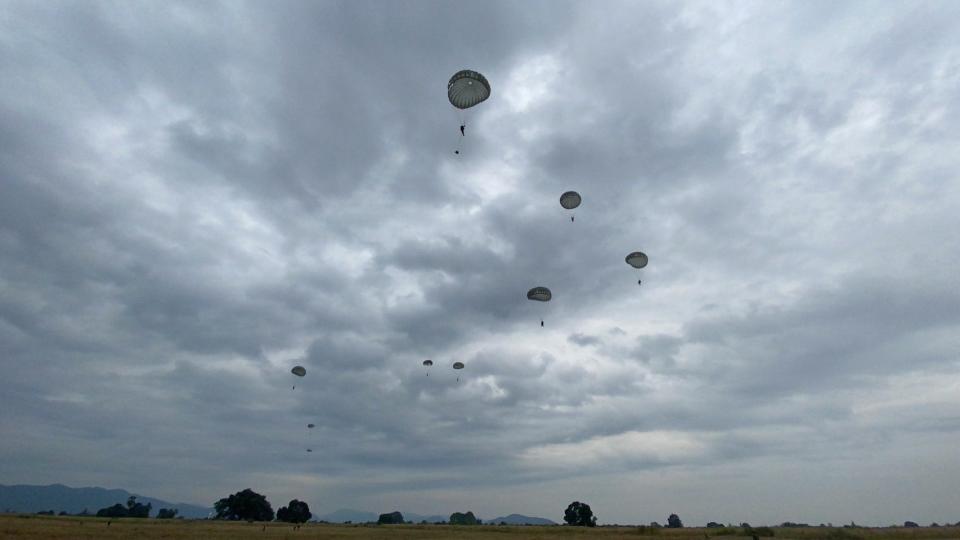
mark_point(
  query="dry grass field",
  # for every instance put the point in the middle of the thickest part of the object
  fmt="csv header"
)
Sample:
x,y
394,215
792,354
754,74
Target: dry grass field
x,y
36,527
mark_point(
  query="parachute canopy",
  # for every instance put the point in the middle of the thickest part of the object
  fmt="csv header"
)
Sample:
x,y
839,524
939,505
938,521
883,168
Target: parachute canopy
x,y
311,426
570,200
540,294
637,259
428,362
299,371
467,88
458,365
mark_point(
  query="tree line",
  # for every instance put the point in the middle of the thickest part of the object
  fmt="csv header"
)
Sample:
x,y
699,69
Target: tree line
x,y
248,505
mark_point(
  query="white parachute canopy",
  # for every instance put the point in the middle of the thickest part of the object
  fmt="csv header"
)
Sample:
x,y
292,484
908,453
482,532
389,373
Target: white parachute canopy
x,y
467,88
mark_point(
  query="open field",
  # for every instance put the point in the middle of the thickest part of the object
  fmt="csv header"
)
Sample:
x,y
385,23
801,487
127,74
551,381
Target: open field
x,y
36,527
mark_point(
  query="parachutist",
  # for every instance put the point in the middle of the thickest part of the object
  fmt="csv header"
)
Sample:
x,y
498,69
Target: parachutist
x,y
541,324
639,282
457,152
571,219
462,128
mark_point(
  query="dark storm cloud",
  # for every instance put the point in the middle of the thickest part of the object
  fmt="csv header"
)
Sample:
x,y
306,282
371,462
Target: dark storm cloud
x,y
195,198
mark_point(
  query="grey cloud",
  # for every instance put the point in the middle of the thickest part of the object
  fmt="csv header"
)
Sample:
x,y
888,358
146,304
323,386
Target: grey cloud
x,y
584,340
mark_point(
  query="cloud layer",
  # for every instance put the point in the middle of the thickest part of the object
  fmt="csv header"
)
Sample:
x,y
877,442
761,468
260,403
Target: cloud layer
x,y
195,198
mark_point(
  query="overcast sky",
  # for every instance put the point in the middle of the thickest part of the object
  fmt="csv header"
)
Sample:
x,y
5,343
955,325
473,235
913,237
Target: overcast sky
x,y
197,196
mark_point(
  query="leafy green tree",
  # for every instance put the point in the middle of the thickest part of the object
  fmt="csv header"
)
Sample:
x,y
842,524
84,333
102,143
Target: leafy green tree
x,y
247,505
458,518
167,513
392,518
674,522
579,514
295,512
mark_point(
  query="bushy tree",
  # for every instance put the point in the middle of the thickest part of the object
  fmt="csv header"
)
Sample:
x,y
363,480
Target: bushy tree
x,y
674,522
247,505
138,510
392,518
458,518
116,511
295,512
579,514
167,513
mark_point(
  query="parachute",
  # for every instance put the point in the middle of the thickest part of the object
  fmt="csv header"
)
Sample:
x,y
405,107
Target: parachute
x,y
299,371
637,259
428,362
570,200
540,294
311,426
467,88
458,365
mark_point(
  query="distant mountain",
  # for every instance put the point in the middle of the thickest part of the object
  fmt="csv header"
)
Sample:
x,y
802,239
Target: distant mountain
x,y
517,519
345,514
58,497
417,518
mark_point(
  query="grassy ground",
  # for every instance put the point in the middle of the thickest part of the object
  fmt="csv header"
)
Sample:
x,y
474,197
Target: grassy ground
x,y
36,527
